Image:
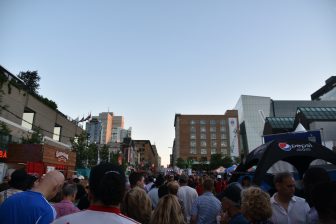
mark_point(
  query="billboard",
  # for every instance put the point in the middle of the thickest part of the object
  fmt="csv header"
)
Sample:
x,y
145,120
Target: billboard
x,y
313,136
234,144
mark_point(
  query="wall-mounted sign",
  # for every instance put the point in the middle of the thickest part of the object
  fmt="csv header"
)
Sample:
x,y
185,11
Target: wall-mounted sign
x,y
3,154
62,156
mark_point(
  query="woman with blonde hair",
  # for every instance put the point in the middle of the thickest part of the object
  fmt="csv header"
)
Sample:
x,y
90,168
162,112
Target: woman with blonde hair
x,y
256,205
137,205
168,211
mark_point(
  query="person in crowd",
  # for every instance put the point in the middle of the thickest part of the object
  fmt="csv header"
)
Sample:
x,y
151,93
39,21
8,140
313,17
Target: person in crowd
x,y
32,181
199,184
82,197
312,177
187,195
150,183
167,211
246,182
137,180
137,205
231,202
173,187
32,207
153,193
17,183
287,208
256,205
66,206
206,207
107,190
324,200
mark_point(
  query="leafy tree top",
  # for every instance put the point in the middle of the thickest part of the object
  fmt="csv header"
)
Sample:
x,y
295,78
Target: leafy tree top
x,y
31,80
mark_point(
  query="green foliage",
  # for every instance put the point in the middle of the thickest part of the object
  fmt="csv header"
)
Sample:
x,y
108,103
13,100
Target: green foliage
x,y
47,102
227,161
31,80
34,138
92,155
79,145
4,135
104,154
180,163
216,161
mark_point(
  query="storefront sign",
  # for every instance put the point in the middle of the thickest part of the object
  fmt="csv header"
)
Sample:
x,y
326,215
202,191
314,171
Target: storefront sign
x,y
62,156
3,154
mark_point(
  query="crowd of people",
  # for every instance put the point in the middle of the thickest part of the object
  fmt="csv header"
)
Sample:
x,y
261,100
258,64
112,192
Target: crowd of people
x,y
108,196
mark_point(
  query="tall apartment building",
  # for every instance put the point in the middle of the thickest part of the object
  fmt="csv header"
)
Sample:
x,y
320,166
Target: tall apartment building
x,y
199,136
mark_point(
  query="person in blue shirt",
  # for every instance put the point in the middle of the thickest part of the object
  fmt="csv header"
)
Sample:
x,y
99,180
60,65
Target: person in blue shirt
x,y
32,207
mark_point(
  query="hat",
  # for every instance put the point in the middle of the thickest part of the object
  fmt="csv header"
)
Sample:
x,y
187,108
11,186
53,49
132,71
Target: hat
x,y
232,192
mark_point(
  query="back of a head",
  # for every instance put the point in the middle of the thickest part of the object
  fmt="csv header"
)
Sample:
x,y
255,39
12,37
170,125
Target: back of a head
x,y
19,179
51,183
137,205
183,180
159,180
256,204
173,187
134,177
168,211
315,175
233,193
208,184
107,184
69,190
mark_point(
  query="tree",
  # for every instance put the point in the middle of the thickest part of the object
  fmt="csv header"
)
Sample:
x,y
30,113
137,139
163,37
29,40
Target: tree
x,y
227,161
104,154
180,163
79,145
35,138
31,80
216,161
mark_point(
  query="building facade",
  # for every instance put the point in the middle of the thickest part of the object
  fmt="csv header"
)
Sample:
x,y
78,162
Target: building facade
x,y
326,92
197,137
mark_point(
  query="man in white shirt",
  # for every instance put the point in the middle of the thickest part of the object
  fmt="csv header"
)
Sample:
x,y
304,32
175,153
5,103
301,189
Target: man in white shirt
x,y
286,207
187,195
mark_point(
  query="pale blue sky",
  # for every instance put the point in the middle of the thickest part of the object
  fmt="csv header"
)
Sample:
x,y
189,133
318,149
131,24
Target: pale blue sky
x,y
147,60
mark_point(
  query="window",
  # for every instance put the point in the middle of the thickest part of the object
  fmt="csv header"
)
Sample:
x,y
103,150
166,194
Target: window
x,y
224,151
192,122
203,129
203,143
212,122
222,122
212,129
57,132
223,143
192,136
193,143
223,129
223,136
202,122
28,118
213,150
203,136
203,151
192,150
192,129
213,143
213,136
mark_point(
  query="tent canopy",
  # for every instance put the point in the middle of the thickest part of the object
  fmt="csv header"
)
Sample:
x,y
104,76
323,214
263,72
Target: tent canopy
x,y
298,153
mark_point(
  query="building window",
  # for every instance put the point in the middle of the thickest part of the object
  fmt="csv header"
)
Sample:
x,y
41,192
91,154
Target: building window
x,y
223,136
192,129
213,143
212,129
212,122
192,150
203,143
193,143
223,143
203,151
57,133
28,118
213,136
192,136
192,122
203,136
202,122
222,122
213,151
224,151
203,129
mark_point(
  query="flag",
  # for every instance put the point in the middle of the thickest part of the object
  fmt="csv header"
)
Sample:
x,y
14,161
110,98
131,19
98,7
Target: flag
x,y
88,117
81,120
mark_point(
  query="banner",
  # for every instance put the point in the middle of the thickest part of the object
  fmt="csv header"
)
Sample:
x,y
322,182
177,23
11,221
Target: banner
x,y
234,144
312,136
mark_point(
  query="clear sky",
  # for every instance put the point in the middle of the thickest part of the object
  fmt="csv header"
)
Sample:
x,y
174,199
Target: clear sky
x,y
147,60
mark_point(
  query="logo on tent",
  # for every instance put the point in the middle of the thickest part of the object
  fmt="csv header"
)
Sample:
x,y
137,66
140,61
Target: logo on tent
x,y
284,146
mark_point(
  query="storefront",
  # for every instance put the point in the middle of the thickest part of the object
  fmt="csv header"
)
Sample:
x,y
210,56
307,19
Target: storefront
x,y
40,159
